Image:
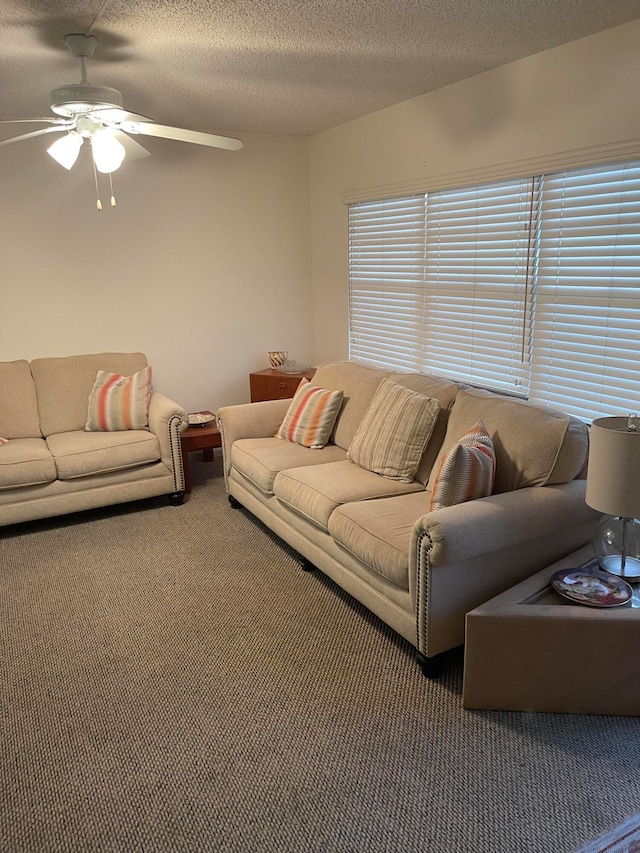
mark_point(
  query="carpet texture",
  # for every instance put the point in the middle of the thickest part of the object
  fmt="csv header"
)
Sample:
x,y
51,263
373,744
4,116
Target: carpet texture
x,y
170,680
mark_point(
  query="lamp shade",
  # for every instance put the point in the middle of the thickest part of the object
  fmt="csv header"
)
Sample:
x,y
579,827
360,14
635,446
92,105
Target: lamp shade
x,y
613,476
108,152
66,149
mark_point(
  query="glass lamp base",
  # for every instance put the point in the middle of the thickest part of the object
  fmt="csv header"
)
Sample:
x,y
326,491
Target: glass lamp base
x,y
617,547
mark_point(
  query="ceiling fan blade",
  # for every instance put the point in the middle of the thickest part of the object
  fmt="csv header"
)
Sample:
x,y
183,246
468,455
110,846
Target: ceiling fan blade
x,y
32,134
117,115
182,135
58,121
134,151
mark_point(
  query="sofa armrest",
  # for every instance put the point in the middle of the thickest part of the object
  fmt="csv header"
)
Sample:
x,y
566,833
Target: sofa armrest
x,y
463,555
166,421
248,420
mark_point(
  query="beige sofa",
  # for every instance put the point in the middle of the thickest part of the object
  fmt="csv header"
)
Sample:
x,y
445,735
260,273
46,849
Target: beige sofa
x,y
51,466
420,571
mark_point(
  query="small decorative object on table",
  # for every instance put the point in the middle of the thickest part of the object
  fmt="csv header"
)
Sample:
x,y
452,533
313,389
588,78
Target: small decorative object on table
x,y
587,585
277,358
200,418
291,366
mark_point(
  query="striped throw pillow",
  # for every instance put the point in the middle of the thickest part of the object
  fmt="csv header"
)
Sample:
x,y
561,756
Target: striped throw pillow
x,y
467,471
119,402
311,416
394,432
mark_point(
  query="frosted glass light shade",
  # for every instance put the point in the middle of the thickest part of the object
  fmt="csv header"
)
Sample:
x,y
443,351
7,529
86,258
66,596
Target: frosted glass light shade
x,y
66,149
108,152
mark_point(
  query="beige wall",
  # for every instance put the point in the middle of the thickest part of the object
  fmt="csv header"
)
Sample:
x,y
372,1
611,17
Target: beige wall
x,y
204,264
579,95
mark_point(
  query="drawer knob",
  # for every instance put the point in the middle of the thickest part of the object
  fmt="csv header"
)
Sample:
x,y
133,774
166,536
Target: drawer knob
x,y
283,385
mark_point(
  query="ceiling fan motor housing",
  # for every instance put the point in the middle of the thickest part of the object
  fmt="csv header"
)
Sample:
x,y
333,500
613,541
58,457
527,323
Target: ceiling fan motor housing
x,y
82,98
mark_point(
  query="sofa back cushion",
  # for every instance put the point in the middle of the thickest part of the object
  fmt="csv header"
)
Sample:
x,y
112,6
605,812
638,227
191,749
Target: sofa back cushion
x,y
63,385
358,384
18,405
534,446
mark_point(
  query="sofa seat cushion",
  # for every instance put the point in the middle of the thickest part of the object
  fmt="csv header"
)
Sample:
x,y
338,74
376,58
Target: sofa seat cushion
x,y
378,533
261,459
26,462
316,492
80,454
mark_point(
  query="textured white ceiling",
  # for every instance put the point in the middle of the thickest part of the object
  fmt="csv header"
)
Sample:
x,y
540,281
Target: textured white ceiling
x,y
277,66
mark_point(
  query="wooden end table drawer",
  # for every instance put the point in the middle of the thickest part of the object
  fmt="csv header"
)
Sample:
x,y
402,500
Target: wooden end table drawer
x,y
274,385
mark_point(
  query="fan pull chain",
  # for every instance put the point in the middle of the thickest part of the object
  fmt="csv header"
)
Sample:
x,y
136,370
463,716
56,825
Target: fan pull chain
x,y
113,198
95,177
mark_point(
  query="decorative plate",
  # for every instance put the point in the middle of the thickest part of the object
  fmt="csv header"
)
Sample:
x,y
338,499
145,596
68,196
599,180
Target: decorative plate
x,y
293,367
199,419
592,587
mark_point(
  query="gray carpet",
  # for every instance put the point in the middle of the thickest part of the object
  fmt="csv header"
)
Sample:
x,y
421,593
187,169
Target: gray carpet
x,y
170,680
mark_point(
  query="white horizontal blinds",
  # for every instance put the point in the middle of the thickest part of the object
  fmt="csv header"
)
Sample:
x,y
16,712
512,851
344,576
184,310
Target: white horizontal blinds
x,y
386,272
479,256
586,342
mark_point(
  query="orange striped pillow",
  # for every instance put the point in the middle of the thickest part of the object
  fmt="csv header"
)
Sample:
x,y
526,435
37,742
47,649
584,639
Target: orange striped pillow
x,y
311,415
467,471
119,402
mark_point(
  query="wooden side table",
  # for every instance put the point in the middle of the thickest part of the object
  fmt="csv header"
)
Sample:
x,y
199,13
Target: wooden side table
x,y
203,438
274,385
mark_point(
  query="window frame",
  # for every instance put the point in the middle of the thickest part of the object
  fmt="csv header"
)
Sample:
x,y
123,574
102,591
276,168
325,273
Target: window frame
x,y
534,387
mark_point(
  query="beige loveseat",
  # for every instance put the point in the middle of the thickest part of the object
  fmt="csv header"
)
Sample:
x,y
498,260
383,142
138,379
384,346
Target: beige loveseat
x,y
420,571
51,466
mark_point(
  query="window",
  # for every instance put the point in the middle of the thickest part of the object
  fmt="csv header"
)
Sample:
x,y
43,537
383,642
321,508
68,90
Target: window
x,y
528,286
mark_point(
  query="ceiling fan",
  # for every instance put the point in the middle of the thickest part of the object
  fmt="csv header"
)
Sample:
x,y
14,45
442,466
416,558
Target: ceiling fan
x,y
95,113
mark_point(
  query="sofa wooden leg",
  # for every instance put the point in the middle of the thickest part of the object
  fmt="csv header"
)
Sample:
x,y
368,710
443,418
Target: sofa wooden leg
x,y
431,667
306,566
234,503
176,498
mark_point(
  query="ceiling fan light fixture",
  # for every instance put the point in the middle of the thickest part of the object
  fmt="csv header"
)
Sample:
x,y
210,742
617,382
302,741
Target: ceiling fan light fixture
x,y
77,98
84,111
66,149
108,152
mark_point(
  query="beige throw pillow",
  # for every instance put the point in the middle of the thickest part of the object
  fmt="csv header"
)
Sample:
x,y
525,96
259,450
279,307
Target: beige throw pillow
x,y
394,432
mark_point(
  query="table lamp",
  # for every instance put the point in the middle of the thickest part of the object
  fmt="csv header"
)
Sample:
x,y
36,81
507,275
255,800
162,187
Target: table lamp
x,y
613,487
